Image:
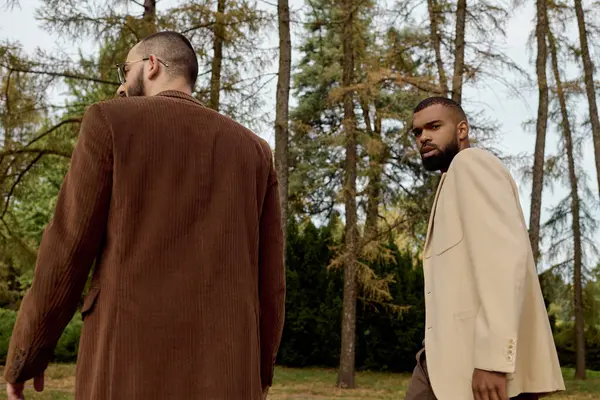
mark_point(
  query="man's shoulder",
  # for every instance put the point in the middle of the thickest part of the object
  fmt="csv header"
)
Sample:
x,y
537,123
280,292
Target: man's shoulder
x,y
123,104
118,105
129,107
475,158
475,162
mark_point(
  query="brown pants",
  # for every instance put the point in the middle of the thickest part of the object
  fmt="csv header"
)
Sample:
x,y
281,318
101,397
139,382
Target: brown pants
x,y
419,387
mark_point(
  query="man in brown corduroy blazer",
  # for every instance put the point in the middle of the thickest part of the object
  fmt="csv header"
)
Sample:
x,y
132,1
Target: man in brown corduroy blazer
x,y
179,207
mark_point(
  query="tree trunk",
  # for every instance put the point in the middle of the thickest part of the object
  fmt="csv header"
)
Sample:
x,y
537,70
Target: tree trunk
x,y
7,122
149,17
588,71
282,107
459,44
576,223
436,43
217,61
347,357
540,139
374,172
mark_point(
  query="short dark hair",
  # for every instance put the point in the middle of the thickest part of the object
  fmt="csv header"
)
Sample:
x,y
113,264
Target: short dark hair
x,y
176,50
444,101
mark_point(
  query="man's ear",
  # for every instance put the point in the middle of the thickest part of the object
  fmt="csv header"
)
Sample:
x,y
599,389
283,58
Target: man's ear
x,y
463,130
153,66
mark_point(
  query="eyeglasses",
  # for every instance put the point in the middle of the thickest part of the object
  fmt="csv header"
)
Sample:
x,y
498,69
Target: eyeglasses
x,y
121,67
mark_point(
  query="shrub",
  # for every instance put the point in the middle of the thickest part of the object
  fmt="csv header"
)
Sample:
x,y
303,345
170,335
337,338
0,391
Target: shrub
x,y
564,339
7,322
66,349
311,337
68,344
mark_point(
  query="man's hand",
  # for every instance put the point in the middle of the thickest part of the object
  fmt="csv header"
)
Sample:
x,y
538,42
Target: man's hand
x,y
265,392
15,392
489,385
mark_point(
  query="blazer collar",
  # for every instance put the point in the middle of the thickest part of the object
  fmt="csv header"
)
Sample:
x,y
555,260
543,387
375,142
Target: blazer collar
x,y
180,95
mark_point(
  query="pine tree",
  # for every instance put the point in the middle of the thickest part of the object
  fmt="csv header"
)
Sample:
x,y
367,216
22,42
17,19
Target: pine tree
x,y
541,122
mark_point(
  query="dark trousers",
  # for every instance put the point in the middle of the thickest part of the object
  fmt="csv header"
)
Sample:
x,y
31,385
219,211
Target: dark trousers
x,y
419,387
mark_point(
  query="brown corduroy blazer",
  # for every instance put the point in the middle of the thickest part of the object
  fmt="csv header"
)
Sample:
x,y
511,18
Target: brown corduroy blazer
x,y
179,207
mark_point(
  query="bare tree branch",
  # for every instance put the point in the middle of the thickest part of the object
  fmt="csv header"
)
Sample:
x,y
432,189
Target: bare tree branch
x,y
55,127
17,181
196,27
49,152
59,75
11,4
40,136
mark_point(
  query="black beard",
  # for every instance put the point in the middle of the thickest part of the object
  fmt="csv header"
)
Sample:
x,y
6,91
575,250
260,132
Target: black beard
x,y
138,88
441,162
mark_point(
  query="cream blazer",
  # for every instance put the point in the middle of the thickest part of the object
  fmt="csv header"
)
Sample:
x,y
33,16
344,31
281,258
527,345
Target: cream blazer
x,y
484,306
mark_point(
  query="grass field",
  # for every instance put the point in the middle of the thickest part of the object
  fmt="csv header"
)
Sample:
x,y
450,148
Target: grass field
x,y
313,384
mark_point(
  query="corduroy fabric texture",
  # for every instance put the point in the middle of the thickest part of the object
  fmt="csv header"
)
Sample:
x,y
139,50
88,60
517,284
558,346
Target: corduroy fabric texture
x,y
179,208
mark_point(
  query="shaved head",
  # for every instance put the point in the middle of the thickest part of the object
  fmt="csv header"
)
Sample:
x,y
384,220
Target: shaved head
x,y
175,50
457,111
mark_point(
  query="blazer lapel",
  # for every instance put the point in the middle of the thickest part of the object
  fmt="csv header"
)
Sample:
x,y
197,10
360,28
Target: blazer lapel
x,y
432,215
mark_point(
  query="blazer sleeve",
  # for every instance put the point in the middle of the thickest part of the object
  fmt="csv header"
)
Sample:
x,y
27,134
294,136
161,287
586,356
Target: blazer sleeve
x,y
67,250
498,247
271,278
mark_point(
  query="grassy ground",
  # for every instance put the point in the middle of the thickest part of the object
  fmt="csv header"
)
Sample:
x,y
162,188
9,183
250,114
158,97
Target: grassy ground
x,y
313,384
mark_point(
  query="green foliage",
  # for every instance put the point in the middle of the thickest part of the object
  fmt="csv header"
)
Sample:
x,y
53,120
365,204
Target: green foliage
x,y
116,25
564,339
395,68
68,344
7,322
386,339
313,302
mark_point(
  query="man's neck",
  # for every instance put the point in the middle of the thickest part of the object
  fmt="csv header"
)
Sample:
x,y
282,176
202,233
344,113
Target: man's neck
x,y
182,87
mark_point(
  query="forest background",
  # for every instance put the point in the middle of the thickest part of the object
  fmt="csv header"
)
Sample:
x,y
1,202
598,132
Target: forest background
x,y
331,84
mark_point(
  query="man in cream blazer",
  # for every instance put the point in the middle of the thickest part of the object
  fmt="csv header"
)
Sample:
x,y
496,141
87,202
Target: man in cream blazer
x,y
487,334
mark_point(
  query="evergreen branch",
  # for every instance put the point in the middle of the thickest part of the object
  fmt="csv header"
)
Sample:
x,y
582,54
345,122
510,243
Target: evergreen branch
x,y
394,308
40,136
19,241
6,93
49,106
378,234
17,181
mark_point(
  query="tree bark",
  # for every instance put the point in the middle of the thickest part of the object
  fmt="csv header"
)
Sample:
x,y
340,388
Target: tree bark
x,y
217,61
6,120
149,17
576,222
374,173
540,139
459,44
282,107
347,357
588,71
436,43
